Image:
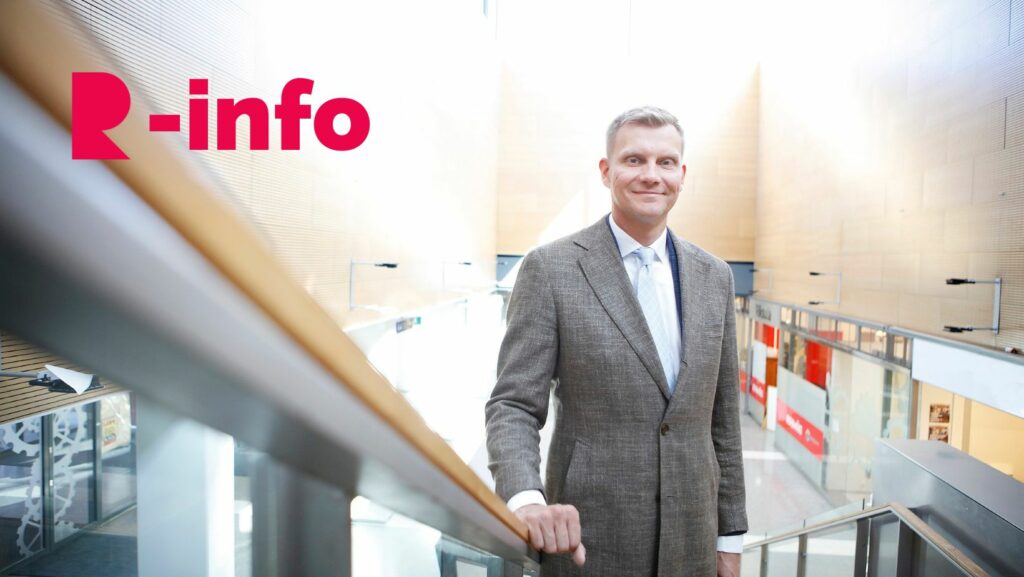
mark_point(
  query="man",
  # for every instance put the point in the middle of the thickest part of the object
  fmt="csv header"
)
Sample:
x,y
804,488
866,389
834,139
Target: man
x,y
635,327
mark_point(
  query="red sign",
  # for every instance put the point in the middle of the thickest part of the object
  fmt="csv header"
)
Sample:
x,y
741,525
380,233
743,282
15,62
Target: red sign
x,y
757,390
743,381
100,101
802,430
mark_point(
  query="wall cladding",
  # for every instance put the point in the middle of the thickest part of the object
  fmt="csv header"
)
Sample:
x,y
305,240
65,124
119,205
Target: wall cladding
x,y
556,104
892,149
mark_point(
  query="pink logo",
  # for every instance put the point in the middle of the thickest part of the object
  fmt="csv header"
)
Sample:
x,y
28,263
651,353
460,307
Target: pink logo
x,y
100,101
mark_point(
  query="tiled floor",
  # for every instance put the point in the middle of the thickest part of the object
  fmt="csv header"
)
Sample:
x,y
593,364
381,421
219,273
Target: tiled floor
x,y
778,495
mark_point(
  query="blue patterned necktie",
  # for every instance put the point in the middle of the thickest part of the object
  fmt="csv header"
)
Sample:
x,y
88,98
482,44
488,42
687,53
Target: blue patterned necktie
x,y
647,294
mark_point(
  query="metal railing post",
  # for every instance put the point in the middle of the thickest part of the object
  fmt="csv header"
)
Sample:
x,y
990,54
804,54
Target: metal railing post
x,y
801,555
905,551
860,555
302,527
764,561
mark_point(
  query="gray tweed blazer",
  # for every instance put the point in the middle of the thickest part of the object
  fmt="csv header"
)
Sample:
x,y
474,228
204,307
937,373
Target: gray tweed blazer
x,y
656,477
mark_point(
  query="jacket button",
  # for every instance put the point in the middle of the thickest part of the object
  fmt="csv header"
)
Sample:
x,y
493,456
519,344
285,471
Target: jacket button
x,y
664,429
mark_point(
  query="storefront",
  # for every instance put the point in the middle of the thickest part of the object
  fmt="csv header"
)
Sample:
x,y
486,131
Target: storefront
x,y
762,359
973,401
832,387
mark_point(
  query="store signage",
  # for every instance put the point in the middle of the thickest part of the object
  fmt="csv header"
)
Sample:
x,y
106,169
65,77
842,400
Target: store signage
x,y
767,313
801,429
758,391
100,101
743,381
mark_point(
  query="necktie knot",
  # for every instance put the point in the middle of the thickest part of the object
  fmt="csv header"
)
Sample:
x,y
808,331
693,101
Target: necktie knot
x,y
646,255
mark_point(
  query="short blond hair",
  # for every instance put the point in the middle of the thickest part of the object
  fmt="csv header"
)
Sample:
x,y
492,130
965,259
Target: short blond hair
x,y
651,116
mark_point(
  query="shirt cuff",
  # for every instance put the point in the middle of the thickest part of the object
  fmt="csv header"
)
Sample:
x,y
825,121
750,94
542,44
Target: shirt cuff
x,y
533,497
731,544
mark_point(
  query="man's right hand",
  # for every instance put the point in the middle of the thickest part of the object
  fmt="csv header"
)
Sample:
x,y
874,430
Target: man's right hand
x,y
554,529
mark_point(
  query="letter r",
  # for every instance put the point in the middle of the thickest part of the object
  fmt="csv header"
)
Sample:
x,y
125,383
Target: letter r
x,y
99,102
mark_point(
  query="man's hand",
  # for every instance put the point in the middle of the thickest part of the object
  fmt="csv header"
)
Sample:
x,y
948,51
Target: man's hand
x,y
728,564
555,529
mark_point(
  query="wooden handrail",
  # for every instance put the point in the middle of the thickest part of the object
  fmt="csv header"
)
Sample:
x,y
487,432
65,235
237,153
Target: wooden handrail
x,y
39,53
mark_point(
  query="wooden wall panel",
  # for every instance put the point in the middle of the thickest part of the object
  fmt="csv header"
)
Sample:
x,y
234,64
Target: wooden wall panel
x,y
556,104
911,146
18,399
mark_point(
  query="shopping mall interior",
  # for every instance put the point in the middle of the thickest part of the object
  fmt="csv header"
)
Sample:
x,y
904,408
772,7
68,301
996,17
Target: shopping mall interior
x,y
256,360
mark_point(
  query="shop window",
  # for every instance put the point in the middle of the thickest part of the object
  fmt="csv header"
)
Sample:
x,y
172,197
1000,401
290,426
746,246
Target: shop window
x,y
826,328
117,453
786,315
819,363
806,321
799,364
73,469
21,476
786,350
896,405
901,349
872,341
847,333
985,433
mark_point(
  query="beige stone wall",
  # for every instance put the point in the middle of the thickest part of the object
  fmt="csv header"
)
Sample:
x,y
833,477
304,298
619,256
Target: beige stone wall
x,y
420,191
569,68
892,150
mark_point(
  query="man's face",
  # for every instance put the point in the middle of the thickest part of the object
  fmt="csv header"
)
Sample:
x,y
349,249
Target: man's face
x,y
644,171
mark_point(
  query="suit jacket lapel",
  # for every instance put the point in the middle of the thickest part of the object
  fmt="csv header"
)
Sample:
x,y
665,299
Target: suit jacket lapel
x,y
603,269
693,270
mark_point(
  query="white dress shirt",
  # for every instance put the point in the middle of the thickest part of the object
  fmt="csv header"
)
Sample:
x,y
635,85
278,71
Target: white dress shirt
x,y
665,285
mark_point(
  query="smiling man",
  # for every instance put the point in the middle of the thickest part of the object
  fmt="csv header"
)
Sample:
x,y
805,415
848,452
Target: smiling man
x,y
635,328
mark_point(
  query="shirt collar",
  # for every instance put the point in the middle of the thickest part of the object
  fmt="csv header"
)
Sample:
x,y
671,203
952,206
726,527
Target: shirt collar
x,y
628,244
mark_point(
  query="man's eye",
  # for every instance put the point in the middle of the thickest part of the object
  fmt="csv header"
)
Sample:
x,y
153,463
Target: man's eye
x,y
668,162
633,160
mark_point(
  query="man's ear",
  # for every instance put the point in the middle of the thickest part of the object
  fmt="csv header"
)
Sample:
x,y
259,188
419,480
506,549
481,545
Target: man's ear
x,y
603,165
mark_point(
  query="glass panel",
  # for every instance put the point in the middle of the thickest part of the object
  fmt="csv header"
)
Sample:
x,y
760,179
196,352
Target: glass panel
x,y
786,315
21,481
872,341
786,350
826,328
73,470
831,553
896,405
245,459
782,558
900,349
996,437
750,563
848,333
798,362
386,544
856,404
117,453
931,562
807,321
444,365
883,544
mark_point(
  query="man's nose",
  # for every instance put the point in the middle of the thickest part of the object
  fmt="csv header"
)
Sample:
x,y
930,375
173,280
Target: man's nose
x,y
650,172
